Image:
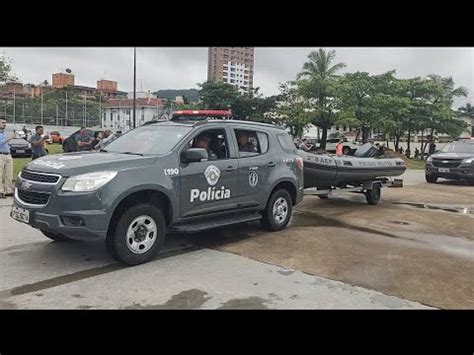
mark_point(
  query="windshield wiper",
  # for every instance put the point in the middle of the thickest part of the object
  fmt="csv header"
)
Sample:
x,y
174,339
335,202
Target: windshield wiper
x,y
132,153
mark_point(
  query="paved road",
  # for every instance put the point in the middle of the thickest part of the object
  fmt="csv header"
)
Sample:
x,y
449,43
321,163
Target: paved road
x,y
38,274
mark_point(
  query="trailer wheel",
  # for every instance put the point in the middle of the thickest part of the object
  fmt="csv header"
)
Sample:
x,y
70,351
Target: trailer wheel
x,y
373,195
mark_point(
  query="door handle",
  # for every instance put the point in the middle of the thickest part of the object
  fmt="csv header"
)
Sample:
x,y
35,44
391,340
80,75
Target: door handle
x,y
230,168
271,164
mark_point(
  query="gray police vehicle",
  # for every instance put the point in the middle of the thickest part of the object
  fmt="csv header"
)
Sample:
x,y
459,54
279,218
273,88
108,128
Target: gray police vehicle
x,y
181,175
454,161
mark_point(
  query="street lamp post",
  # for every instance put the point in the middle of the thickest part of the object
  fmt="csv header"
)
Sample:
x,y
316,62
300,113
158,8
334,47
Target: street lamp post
x,y
134,85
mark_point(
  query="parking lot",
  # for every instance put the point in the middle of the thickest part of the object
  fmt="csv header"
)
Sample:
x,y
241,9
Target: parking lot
x,y
414,250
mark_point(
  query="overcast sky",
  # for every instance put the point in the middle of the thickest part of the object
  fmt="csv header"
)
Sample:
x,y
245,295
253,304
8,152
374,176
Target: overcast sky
x,y
183,68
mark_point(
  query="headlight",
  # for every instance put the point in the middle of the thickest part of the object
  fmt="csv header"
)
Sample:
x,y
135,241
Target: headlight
x,y
429,159
88,182
467,161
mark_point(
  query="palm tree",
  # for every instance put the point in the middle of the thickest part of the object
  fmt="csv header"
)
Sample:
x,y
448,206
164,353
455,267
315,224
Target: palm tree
x,y
448,92
316,80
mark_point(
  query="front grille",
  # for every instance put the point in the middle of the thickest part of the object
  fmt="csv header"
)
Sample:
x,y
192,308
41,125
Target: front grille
x,y
49,179
451,163
34,198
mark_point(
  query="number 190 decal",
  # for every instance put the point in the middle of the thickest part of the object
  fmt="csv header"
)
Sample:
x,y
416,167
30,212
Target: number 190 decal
x,y
173,171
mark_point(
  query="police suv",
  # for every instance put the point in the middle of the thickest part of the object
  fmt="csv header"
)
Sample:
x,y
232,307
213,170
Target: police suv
x,y
183,175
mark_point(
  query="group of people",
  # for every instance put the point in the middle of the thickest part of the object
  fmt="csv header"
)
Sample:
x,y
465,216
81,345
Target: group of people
x,y
85,142
37,140
215,147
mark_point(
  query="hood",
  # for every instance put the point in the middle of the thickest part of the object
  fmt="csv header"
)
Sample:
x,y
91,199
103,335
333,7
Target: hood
x,y
449,156
86,162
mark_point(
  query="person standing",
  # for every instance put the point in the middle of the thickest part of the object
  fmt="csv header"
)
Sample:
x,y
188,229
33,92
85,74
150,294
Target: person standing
x,y
6,161
339,147
37,143
417,152
83,140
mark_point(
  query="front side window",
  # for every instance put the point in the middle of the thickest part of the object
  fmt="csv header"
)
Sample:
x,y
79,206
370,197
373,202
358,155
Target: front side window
x,y
214,141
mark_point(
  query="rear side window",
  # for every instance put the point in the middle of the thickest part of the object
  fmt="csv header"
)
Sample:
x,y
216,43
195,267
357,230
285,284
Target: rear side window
x,y
251,143
286,143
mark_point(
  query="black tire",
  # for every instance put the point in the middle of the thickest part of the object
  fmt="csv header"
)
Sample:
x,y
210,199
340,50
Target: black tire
x,y
373,195
346,150
55,236
117,242
431,178
324,197
271,221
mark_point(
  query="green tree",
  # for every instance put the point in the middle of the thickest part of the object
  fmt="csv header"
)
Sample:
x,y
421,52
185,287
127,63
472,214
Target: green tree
x,y
291,110
218,96
316,82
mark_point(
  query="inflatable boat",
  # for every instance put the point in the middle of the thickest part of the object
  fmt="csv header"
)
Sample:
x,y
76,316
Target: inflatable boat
x,y
326,170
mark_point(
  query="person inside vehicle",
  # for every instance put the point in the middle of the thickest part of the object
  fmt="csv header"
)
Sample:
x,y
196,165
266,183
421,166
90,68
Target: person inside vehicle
x,y
203,141
305,145
244,143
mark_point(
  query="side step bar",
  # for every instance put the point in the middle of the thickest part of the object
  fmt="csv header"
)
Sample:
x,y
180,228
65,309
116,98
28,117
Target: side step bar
x,y
215,223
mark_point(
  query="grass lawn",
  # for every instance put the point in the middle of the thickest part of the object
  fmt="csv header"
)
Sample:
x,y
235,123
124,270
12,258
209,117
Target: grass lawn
x,y
415,164
19,163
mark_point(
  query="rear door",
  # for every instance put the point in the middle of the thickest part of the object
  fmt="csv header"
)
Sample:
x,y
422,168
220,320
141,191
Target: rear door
x,y
256,166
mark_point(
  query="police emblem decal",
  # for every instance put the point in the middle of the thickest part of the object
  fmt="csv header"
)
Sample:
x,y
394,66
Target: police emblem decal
x,y
253,178
212,174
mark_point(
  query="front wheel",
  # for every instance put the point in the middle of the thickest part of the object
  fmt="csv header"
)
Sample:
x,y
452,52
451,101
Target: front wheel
x,y
55,236
138,235
373,195
278,212
431,178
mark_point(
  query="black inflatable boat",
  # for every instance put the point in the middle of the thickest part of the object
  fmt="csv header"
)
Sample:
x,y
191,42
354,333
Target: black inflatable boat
x,y
325,170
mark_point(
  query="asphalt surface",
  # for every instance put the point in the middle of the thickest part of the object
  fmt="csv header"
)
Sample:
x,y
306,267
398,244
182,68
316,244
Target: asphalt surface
x,y
414,250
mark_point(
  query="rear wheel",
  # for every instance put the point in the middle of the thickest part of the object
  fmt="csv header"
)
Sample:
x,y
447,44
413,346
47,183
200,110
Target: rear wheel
x,y
373,195
431,178
277,214
55,236
138,236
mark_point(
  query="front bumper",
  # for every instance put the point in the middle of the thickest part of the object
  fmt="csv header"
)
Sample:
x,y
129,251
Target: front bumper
x,y
63,210
463,171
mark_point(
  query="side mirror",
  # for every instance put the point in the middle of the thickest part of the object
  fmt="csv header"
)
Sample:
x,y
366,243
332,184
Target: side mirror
x,y
193,155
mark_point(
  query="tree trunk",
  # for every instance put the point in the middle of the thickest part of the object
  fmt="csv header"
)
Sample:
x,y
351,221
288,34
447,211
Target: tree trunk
x,y
324,135
408,143
365,134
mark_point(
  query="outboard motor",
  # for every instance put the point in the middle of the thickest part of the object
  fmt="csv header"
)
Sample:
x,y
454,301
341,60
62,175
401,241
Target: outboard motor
x,y
366,150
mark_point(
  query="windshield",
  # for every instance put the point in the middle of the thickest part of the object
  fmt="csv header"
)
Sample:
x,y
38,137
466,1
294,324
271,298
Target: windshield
x,y
148,140
459,148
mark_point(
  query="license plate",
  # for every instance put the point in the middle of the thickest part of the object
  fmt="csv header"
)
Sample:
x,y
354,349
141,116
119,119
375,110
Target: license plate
x,y
443,170
20,151
20,214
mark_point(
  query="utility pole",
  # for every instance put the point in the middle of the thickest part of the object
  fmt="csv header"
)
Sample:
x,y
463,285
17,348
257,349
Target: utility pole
x,y
100,111
14,105
134,85
65,116
41,106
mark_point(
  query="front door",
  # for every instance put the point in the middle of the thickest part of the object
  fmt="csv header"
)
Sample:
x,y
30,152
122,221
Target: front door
x,y
209,186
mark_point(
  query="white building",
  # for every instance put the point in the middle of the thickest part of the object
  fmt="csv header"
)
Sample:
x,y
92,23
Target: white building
x,y
117,114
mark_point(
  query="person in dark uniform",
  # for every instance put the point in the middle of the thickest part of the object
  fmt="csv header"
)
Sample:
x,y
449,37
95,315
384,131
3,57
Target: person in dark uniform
x,y
203,141
244,143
